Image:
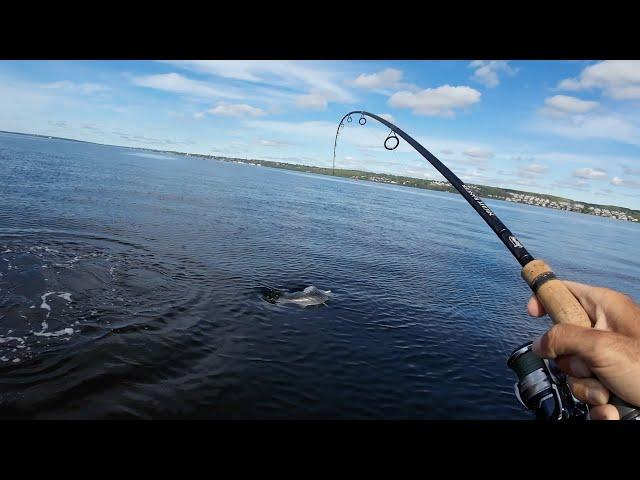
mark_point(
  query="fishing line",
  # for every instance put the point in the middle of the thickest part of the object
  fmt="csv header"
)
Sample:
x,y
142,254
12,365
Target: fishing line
x,y
535,272
500,332
391,143
509,239
372,137
560,304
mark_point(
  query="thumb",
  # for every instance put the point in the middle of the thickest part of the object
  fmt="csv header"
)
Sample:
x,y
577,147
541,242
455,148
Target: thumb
x,y
566,339
612,357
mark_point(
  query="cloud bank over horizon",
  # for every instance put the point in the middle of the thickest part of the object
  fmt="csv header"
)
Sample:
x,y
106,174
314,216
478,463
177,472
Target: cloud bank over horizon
x,y
564,128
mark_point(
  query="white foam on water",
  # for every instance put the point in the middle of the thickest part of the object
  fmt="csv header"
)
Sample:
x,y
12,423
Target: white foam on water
x,y
4,359
64,331
15,360
9,339
66,296
46,306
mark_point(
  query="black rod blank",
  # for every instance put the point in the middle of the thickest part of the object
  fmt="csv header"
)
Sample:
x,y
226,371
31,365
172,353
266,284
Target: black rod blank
x,y
509,239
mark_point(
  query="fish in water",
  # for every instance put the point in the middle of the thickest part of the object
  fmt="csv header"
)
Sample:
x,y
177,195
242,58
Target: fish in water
x,y
307,297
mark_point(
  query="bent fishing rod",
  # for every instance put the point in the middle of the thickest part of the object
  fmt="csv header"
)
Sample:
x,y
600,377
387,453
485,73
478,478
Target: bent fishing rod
x,y
546,396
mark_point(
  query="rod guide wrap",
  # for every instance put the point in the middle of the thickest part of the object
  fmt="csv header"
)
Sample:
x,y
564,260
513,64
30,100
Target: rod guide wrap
x,y
554,295
541,280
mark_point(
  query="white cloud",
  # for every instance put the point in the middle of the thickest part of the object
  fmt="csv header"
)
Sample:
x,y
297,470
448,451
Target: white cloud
x,y
387,78
387,116
313,101
83,88
369,138
611,127
576,160
473,176
520,158
28,107
176,83
619,79
299,75
305,130
630,170
440,101
272,143
527,175
534,168
619,182
573,117
565,105
236,110
478,163
572,184
525,182
589,173
477,152
487,71
198,115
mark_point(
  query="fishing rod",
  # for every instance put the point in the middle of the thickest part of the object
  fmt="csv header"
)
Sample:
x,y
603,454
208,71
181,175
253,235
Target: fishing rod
x,y
541,386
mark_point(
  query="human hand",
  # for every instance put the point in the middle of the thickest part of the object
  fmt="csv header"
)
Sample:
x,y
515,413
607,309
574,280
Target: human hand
x,y
610,350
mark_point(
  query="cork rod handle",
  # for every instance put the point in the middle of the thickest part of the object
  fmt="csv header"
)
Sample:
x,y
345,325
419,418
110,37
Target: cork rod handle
x,y
554,295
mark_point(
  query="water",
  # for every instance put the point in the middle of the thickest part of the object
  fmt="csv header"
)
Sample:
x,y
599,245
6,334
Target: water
x,y
132,287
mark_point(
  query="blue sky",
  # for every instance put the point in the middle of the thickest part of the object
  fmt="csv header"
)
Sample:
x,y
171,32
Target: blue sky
x,y
569,128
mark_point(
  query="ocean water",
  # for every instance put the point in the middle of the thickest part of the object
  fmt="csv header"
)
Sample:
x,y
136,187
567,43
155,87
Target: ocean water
x,y
132,285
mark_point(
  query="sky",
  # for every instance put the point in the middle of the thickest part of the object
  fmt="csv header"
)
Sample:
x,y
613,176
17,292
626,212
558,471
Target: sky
x,y
568,128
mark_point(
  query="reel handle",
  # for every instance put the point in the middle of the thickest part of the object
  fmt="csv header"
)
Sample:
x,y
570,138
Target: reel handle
x,y
563,307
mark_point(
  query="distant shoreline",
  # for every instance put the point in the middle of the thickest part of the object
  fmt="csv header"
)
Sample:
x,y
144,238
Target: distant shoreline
x,y
496,193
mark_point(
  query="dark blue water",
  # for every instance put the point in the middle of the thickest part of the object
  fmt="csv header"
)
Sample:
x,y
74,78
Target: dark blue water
x,y
133,287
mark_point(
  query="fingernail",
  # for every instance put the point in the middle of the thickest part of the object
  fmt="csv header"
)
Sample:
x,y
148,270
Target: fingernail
x,y
535,346
579,368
